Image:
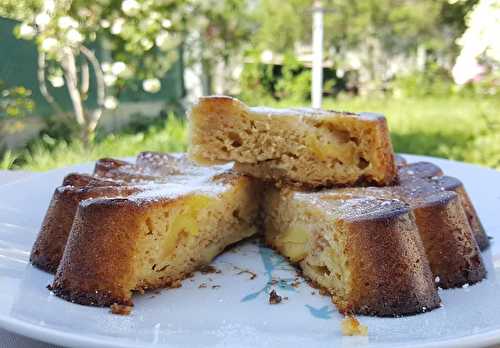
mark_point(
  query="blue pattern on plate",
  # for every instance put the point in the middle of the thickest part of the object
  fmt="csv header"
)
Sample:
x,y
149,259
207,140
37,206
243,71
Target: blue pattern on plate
x,y
272,262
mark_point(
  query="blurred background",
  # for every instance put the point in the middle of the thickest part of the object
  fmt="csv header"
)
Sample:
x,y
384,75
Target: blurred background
x,y
83,79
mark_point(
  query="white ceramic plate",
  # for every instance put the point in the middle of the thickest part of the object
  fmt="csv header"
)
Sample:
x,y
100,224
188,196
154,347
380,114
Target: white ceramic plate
x,y
233,310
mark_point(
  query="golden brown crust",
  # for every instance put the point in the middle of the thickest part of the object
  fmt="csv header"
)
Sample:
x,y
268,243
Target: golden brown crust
x,y
449,242
453,254
477,228
387,163
49,245
391,276
120,245
455,185
51,241
111,249
365,252
111,178
435,177
97,267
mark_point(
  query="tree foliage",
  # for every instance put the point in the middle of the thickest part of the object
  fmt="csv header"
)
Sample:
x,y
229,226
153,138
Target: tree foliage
x,y
377,38
140,40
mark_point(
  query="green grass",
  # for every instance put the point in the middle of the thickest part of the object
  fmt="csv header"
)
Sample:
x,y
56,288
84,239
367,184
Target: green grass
x,y
465,129
48,153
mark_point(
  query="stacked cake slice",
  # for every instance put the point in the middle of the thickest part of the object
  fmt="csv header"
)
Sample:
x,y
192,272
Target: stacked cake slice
x,y
306,147
379,235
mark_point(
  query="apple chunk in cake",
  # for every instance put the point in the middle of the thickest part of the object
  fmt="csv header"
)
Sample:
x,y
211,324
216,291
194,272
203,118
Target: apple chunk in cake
x,y
310,147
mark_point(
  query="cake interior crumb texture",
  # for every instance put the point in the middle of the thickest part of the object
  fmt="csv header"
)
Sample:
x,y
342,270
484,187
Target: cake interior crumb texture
x,y
310,147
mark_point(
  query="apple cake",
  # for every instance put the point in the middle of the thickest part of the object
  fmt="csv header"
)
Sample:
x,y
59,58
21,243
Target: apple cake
x,y
366,252
145,233
305,147
382,251
305,226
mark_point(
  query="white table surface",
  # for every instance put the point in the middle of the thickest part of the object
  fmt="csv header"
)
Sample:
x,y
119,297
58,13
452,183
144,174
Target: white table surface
x,y
8,339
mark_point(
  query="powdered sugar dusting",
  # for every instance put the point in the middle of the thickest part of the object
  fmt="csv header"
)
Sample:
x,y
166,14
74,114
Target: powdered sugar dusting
x,y
154,177
263,111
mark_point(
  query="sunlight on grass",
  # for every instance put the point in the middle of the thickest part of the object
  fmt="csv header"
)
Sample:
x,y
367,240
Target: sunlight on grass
x,y
464,129
169,137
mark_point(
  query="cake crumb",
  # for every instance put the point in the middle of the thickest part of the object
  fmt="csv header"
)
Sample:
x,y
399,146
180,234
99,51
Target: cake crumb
x,y
274,298
120,309
253,275
215,286
209,269
350,326
202,286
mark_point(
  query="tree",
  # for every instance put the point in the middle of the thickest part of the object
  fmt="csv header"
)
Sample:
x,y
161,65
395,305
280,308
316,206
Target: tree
x,y
375,38
140,35
218,36
282,24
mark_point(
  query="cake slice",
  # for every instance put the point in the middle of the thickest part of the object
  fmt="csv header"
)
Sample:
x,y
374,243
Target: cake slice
x,y
366,252
361,242
153,238
137,226
305,147
441,219
111,178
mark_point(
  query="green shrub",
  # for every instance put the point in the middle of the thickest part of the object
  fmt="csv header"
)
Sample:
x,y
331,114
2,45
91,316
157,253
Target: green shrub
x,y
7,161
257,81
266,83
433,81
295,81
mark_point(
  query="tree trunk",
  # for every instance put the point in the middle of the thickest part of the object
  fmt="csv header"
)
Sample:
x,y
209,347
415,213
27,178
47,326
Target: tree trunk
x,y
94,117
206,79
69,67
87,121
